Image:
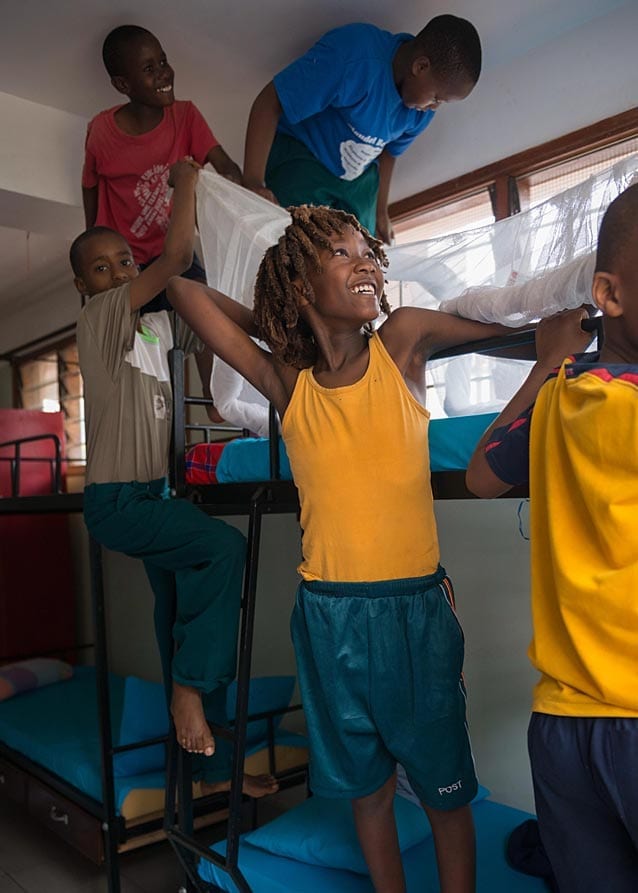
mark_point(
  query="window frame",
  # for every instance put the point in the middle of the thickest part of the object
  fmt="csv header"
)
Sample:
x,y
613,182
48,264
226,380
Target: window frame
x,y
500,177
33,351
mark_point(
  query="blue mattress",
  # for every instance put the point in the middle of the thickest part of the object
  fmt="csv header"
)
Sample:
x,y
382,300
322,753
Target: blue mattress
x,y
452,443
57,727
267,873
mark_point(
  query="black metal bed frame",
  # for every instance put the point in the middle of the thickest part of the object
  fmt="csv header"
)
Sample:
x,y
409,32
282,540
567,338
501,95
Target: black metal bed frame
x,y
257,499
260,498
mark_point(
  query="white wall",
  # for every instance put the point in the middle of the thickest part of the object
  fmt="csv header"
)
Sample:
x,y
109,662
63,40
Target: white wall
x,y
40,156
488,561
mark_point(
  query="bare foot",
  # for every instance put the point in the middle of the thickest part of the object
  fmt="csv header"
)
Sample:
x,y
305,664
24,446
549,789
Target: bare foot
x,y
192,730
253,785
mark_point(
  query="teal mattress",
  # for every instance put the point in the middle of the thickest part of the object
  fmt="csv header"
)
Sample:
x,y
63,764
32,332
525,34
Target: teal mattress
x,y
452,442
268,873
57,727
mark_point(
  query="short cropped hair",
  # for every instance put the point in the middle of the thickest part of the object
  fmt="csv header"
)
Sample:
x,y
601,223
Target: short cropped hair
x,y
453,47
618,231
117,43
75,251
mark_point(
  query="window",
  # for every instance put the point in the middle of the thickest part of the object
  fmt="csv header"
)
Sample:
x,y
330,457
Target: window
x,y
539,186
480,197
468,212
50,381
538,173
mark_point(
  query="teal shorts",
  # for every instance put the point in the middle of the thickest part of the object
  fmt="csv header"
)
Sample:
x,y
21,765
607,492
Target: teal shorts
x,y
380,669
298,178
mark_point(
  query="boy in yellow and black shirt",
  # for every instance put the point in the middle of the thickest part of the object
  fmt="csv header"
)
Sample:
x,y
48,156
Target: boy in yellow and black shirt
x,y
577,444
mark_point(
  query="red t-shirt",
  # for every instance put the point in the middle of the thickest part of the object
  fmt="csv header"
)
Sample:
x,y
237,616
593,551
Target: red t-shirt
x,y
131,172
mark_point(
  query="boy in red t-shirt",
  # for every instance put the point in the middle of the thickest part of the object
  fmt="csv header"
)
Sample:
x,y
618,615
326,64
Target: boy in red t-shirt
x,y
130,148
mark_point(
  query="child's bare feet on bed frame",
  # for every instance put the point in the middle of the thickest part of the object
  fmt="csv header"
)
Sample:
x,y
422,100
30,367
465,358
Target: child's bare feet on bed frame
x,y
192,731
252,785
194,735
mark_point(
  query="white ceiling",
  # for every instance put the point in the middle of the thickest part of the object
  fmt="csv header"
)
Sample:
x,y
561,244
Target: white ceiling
x,y
223,53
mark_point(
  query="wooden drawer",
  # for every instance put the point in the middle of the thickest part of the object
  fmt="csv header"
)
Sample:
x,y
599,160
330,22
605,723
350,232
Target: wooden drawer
x,y
82,830
13,782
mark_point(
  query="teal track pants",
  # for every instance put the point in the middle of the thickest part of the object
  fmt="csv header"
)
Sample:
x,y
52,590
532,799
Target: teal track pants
x,y
194,564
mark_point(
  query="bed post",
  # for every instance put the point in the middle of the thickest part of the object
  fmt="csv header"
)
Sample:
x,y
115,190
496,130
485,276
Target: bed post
x,y
273,443
177,474
243,676
180,835
109,824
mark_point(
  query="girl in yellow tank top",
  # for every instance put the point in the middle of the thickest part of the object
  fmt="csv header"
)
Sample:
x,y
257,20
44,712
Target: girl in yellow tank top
x,y
350,398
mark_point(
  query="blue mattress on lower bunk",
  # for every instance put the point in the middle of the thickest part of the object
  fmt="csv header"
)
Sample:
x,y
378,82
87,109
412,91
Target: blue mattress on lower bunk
x,y
57,727
269,873
452,442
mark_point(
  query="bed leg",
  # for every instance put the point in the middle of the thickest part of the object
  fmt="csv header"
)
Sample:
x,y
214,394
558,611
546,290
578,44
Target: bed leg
x,y
109,816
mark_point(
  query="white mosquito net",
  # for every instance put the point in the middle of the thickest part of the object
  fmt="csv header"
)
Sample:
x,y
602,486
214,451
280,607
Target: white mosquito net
x,y
515,271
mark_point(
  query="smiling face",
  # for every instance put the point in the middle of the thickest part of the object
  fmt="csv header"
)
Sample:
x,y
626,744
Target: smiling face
x,y
105,262
348,288
146,76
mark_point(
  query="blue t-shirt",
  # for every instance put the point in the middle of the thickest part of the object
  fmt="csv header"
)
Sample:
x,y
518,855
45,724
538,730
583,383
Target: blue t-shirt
x,y
341,102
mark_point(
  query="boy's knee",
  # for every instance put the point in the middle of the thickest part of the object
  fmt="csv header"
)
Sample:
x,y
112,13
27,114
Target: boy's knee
x,y
442,818
224,538
380,800
235,541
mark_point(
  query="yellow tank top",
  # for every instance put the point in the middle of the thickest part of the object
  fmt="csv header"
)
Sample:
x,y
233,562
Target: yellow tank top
x,y
584,541
359,456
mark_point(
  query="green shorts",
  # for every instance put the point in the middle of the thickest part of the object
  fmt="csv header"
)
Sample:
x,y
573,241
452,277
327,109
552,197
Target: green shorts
x,y
380,669
298,178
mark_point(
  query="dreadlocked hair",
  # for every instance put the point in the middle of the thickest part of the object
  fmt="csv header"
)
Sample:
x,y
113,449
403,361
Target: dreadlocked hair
x,y
276,307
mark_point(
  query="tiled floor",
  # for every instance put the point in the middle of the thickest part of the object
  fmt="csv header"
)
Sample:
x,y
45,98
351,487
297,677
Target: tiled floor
x,y
33,860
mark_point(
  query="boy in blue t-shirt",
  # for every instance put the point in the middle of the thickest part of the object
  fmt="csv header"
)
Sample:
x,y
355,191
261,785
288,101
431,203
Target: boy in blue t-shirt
x,y
328,128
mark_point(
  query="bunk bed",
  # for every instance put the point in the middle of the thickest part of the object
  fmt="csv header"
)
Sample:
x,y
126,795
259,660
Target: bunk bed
x,y
73,777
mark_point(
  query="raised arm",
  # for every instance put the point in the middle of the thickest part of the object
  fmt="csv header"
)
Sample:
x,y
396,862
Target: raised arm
x,y
177,253
556,338
224,165
226,327
412,334
260,133
89,200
